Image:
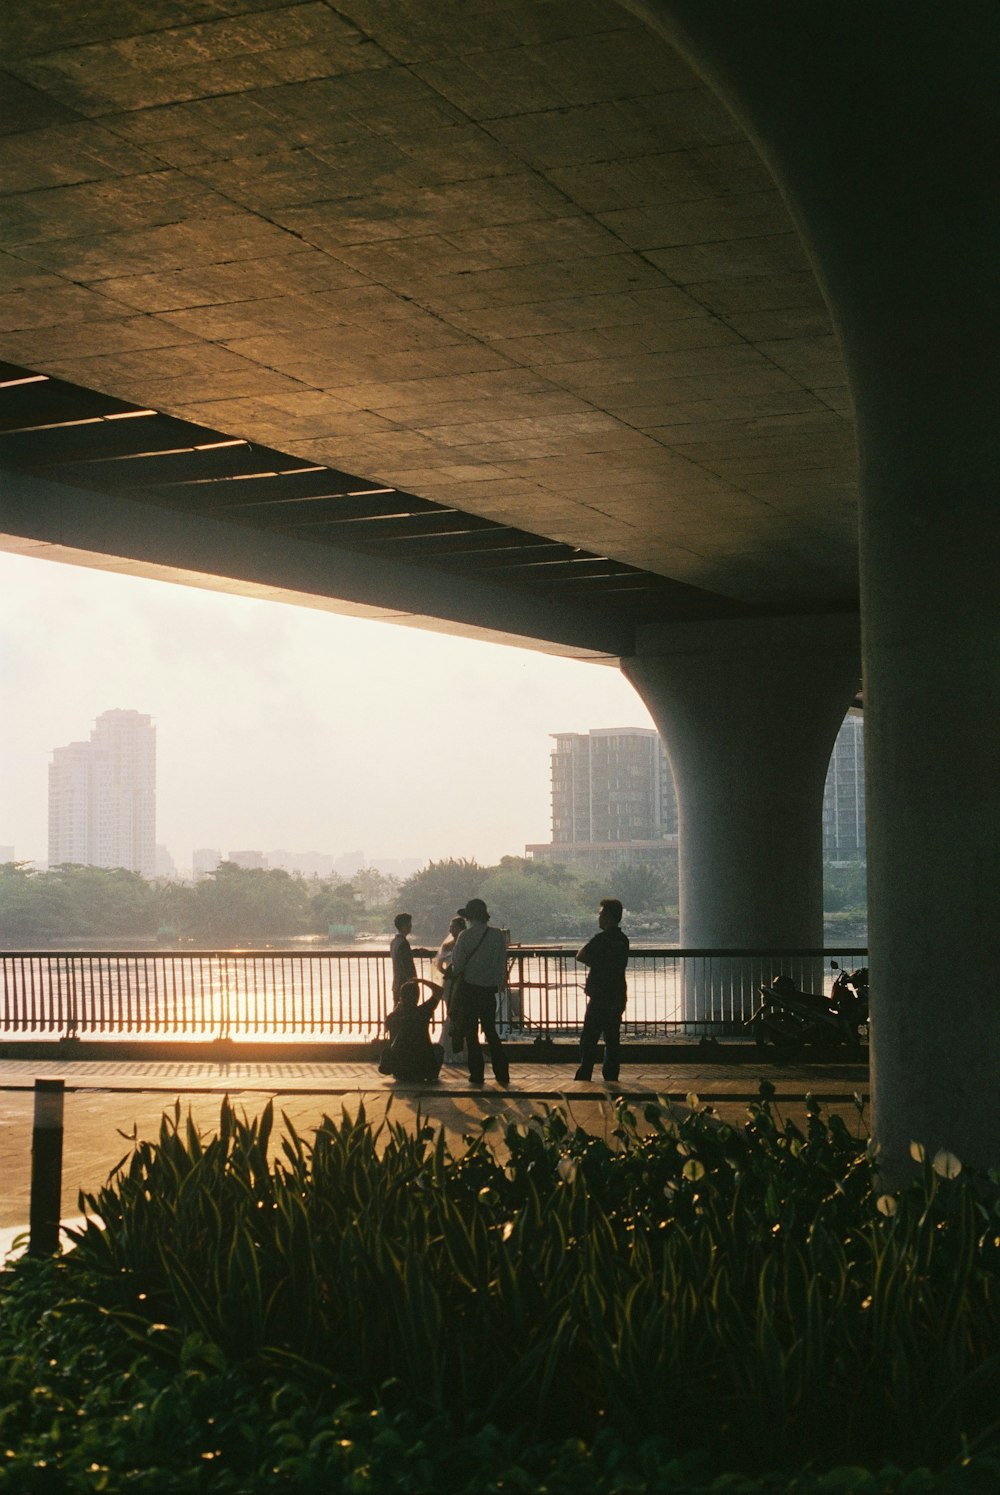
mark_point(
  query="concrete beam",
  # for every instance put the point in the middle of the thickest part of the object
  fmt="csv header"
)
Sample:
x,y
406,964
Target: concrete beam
x,y
58,522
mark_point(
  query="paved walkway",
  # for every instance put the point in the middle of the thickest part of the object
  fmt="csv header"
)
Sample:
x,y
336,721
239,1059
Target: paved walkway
x,y
109,1102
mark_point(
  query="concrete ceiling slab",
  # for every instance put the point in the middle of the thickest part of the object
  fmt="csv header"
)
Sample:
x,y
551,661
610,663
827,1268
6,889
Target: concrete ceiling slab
x,y
514,258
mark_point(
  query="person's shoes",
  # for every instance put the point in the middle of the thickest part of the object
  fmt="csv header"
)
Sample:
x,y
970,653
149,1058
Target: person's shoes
x,y
609,1079
477,1079
503,1078
583,1074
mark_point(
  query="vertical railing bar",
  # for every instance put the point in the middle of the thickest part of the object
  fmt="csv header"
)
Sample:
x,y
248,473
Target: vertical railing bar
x,y
160,972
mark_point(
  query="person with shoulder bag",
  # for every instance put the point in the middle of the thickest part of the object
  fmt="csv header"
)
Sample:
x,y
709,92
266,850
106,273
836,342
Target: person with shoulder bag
x,y
479,970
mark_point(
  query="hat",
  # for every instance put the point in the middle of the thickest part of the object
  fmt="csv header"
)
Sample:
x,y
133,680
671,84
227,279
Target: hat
x,y
475,909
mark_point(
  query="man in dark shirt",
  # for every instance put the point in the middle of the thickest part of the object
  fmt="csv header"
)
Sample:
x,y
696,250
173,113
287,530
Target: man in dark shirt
x,y
606,957
404,968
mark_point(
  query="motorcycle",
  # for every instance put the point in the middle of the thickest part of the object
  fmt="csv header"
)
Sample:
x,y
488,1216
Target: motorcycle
x,y
789,1019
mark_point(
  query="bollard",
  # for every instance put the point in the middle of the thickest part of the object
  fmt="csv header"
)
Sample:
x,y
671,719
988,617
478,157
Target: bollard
x,y
46,1168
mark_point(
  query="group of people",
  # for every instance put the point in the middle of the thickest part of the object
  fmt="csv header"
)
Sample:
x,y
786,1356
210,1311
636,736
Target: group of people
x,y
472,963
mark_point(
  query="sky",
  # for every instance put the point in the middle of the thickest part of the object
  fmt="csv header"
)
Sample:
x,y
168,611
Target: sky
x,y
284,727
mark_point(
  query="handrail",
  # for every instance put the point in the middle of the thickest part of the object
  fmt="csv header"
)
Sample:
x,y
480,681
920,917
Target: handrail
x,y
344,995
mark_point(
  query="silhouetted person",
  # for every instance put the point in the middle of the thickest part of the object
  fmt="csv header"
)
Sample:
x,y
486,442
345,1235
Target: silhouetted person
x,y
411,1055
480,959
605,956
403,966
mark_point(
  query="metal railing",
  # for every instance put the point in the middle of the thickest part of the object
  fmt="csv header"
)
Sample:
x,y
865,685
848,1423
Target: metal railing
x,y
342,996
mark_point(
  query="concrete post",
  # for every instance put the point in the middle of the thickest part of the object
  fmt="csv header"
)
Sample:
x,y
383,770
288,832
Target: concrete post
x,y
748,711
46,1168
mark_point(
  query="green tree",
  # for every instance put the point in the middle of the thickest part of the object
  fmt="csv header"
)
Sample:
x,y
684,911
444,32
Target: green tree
x,y
250,903
104,900
175,906
377,889
434,893
29,911
531,907
643,888
556,873
845,888
335,903
71,900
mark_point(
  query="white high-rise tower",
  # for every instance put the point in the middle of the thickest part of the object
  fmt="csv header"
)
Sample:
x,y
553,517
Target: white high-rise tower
x,y
102,796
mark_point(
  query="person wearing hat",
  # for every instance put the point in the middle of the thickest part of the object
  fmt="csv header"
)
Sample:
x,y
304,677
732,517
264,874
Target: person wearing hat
x,y
479,962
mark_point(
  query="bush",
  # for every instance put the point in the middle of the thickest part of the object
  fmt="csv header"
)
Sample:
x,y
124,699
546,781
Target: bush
x,y
544,1310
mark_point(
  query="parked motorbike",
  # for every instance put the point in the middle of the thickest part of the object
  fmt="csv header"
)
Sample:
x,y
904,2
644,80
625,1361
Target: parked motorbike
x,y
789,1019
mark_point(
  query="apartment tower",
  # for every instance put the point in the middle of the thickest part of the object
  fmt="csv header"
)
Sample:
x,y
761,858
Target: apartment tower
x,y
102,796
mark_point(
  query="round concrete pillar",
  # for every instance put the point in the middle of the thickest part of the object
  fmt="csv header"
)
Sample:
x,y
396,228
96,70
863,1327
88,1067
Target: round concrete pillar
x,y
932,729
748,711
886,158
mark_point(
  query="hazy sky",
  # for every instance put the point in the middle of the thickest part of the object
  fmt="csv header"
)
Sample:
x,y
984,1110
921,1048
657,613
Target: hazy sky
x,y
281,726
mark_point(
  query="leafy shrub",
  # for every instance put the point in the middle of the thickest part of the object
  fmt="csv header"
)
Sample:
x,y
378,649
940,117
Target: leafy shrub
x,y
541,1311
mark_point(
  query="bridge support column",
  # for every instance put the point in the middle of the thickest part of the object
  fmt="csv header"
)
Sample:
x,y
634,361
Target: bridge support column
x,y
883,169
932,727
748,710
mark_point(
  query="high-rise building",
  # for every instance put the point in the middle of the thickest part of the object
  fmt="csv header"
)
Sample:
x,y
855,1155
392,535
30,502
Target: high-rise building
x,y
612,798
102,796
251,861
844,795
204,861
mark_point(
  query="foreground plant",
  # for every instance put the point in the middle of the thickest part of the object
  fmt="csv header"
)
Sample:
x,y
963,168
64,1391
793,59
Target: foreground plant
x,y
689,1287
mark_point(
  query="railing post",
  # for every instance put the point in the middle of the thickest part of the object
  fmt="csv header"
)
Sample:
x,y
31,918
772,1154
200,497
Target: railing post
x,y
72,1001
46,1168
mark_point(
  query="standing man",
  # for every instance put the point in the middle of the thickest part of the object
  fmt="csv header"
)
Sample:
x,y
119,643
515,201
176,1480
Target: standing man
x,y
479,959
403,966
606,957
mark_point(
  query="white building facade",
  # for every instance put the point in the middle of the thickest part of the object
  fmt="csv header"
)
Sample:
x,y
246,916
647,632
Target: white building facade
x,y
102,796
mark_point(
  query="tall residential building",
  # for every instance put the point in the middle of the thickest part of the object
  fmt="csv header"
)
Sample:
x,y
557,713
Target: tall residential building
x,y
844,795
102,796
612,798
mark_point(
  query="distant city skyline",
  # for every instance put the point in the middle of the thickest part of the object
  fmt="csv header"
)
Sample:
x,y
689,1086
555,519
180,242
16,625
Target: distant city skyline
x,y
288,727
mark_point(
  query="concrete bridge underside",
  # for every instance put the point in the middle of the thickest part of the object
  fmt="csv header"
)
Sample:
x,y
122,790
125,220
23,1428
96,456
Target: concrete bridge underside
x,y
625,330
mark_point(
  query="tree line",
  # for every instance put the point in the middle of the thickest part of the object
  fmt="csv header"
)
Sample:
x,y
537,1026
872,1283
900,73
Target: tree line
x,y
535,900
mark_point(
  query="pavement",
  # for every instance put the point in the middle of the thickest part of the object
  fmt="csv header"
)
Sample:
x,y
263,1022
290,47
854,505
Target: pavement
x,y
109,1102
